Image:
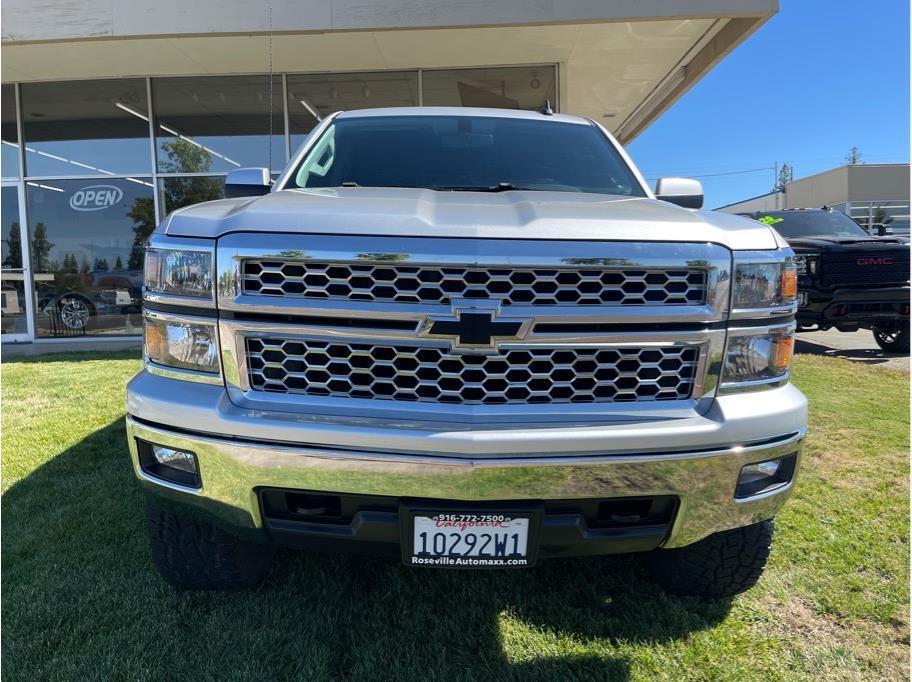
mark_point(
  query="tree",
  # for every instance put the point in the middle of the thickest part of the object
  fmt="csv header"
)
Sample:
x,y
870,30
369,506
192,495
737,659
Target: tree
x,y
41,249
118,265
182,157
854,155
785,177
101,265
13,258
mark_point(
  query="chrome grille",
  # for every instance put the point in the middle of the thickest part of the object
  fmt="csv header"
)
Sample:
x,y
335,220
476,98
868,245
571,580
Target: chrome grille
x,y
439,284
435,374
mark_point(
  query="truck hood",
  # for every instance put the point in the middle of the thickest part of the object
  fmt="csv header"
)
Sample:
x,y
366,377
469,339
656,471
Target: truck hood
x,y
408,212
846,243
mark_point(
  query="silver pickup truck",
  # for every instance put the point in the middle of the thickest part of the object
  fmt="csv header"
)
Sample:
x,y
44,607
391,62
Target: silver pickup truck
x,y
468,338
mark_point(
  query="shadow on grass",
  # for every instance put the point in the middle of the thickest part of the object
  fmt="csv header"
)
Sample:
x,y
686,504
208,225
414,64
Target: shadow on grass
x,y
81,599
867,356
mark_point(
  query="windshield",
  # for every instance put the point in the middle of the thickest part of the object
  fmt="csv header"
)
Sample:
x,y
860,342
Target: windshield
x,y
480,153
811,223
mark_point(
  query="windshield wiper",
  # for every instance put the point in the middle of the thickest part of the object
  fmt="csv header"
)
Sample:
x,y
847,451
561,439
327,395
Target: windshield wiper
x,y
499,187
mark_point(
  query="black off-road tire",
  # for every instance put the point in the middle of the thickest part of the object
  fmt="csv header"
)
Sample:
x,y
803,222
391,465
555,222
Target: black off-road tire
x,y
721,565
191,554
893,338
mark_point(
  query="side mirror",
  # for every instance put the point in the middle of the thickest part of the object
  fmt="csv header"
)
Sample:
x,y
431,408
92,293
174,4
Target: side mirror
x,y
247,182
681,191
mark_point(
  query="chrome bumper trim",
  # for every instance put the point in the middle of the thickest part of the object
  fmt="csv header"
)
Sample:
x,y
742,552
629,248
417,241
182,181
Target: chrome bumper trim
x,y
232,471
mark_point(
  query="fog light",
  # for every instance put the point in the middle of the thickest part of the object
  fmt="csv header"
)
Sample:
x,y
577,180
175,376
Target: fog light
x,y
168,464
178,459
802,299
762,477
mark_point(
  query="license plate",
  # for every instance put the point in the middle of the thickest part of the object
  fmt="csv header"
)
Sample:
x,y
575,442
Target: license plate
x,y
469,539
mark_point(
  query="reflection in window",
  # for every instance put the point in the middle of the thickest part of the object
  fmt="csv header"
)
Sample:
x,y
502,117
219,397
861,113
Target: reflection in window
x,y
218,123
86,127
513,87
10,142
12,284
313,97
86,246
179,192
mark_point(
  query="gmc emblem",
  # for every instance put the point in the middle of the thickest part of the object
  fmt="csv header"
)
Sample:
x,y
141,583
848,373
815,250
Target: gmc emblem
x,y
880,260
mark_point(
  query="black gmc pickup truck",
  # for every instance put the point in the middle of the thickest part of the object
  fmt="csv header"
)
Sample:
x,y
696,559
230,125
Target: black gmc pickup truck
x,y
847,278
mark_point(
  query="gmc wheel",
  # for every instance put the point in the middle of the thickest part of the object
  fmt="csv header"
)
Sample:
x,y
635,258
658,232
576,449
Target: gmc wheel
x,y
893,338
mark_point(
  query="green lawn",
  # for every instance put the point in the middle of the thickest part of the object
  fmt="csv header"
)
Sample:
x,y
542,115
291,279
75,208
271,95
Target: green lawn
x,y
81,599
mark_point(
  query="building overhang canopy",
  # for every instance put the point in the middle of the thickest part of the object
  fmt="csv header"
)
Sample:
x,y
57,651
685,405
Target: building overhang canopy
x,y
621,63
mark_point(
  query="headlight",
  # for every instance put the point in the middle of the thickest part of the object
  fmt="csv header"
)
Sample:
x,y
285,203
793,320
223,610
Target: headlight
x,y
806,265
757,357
181,344
769,283
179,272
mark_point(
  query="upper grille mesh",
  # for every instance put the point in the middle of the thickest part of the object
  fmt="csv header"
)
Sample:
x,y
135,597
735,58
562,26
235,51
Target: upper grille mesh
x,y
844,268
436,374
439,284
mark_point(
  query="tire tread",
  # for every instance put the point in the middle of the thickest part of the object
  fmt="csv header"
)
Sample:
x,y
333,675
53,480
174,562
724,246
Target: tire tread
x,y
721,565
191,554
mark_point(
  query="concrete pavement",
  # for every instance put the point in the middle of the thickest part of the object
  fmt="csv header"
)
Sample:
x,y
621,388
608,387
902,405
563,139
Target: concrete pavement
x,y
855,346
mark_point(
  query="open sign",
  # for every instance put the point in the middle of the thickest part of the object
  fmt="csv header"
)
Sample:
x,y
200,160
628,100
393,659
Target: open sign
x,y
95,197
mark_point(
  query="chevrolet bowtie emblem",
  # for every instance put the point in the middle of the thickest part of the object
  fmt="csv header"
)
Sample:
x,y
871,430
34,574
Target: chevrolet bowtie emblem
x,y
475,329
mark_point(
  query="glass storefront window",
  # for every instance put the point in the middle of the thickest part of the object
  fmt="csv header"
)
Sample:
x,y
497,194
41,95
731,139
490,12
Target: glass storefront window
x,y
507,87
10,142
86,127
312,97
217,124
12,283
179,192
87,239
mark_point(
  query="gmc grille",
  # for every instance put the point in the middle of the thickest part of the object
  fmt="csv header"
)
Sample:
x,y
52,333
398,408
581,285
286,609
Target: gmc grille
x,y
843,269
440,284
408,372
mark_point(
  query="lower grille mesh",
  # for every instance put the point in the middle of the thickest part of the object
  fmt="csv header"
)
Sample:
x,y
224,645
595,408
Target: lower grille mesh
x,y
437,375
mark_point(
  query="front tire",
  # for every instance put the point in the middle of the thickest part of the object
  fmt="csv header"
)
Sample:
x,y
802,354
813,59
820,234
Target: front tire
x,y
893,338
191,554
721,565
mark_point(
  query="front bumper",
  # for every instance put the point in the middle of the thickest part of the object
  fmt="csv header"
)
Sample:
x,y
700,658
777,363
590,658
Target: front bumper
x,y
241,453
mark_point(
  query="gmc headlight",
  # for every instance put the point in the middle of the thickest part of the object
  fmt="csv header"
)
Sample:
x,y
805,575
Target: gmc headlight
x,y
179,272
768,283
757,358
181,343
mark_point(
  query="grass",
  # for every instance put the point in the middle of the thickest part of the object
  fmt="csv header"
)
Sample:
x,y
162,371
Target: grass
x,y
81,599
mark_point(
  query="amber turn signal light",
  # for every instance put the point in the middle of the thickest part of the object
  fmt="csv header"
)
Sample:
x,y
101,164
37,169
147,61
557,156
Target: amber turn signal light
x,y
783,347
788,283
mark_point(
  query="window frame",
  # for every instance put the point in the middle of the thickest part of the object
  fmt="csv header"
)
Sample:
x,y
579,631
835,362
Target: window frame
x,y
156,178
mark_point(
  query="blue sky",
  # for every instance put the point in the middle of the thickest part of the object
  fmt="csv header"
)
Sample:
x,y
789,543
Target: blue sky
x,y
817,78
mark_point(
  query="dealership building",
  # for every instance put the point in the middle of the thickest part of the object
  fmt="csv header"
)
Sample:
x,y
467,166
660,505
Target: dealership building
x,y
872,194
115,113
